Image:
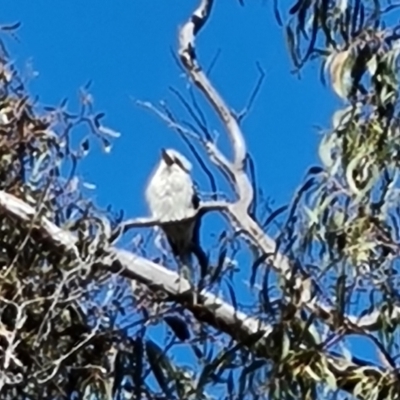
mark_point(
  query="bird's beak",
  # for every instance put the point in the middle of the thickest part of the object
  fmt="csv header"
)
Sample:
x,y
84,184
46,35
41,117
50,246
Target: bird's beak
x,y
165,156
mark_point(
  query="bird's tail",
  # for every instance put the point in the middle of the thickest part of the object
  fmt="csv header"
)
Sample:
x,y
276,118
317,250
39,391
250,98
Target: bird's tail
x,y
180,238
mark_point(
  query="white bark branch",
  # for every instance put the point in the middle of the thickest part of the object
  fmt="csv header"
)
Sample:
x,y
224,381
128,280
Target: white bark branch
x,y
367,323
187,35
208,308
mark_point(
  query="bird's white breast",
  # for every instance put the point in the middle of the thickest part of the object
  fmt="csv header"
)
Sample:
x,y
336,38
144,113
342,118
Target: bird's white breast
x,y
170,194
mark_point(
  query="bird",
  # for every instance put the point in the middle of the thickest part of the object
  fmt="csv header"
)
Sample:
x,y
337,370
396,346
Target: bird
x,y
173,200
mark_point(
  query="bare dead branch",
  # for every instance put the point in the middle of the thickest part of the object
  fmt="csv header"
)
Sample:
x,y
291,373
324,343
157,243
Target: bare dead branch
x,y
171,123
213,152
213,62
253,94
187,55
194,112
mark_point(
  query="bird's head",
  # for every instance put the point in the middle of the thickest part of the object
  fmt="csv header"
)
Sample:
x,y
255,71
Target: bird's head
x,y
172,158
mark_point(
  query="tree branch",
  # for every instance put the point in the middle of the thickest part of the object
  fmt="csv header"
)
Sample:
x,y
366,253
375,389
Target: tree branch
x,y
187,35
208,308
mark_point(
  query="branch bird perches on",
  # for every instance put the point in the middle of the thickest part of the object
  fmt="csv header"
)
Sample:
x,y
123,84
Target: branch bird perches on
x,y
208,308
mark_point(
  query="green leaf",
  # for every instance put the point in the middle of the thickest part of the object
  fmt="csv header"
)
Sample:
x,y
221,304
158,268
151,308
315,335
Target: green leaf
x,y
157,361
325,149
285,346
340,69
178,326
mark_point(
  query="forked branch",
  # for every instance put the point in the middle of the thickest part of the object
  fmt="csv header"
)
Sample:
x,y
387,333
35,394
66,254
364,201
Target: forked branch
x,y
187,35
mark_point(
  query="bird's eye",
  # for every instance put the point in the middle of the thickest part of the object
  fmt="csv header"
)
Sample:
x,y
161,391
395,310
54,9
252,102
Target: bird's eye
x,y
179,163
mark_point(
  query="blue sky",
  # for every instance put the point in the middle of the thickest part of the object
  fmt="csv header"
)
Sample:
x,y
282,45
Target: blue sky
x,y
124,47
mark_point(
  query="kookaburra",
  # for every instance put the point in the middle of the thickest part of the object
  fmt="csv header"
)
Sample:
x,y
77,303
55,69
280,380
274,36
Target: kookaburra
x,y
173,201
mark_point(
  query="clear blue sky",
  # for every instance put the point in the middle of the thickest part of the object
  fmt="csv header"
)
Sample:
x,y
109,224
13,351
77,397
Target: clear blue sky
x,y
124,48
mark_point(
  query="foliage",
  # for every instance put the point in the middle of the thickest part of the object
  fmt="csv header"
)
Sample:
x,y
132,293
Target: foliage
x,y
51,327
346,230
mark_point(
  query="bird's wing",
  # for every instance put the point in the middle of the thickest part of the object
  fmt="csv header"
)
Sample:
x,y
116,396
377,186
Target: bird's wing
x,y
196,197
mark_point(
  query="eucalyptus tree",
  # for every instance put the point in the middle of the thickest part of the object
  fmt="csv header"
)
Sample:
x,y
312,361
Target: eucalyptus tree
x,y
75,305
